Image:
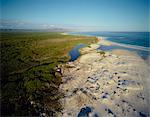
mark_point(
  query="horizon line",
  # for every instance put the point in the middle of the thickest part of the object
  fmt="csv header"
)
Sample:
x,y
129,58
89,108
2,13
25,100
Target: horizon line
x,y
67,30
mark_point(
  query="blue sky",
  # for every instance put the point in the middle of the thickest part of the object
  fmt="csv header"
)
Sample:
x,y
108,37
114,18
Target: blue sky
x,y
102,15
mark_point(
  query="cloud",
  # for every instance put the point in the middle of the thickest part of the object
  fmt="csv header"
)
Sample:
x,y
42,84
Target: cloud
x,y
52,25
47,26
16,24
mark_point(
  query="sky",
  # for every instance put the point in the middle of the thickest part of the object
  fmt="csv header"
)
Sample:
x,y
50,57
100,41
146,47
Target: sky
x,y
100,15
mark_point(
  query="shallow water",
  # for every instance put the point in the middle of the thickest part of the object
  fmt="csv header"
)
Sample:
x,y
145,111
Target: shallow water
x,y
74,53
84,112
142,53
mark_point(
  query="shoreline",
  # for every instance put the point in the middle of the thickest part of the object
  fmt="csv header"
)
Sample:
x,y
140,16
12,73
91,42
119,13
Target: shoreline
x,y
126,45
103,41
115,43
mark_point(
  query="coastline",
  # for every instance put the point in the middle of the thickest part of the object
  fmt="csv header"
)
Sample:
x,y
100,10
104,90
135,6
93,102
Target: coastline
x,y
126,45
143,52
102,81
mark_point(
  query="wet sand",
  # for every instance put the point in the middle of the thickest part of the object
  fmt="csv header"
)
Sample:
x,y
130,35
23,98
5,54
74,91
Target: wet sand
x,y
114,84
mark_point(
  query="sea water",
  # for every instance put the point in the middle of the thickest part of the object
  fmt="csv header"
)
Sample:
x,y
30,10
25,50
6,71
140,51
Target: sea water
x,y
137,39
132,38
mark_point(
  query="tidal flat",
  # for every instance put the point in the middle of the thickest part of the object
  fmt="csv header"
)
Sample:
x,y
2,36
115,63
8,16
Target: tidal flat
x,y
29,75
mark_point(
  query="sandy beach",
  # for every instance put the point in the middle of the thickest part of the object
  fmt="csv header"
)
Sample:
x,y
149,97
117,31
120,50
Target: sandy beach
x,y
109,84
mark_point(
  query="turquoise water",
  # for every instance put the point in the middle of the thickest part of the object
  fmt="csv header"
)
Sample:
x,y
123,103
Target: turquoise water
x,y
140,39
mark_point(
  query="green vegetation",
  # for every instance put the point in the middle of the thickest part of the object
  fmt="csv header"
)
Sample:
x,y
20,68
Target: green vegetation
x,y
29,80
102,53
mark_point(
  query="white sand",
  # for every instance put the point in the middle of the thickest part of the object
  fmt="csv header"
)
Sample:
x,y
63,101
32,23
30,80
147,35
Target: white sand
x,y
117,81
64,33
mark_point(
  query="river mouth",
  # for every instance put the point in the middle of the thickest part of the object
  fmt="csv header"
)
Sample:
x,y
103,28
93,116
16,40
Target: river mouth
x,y
74,53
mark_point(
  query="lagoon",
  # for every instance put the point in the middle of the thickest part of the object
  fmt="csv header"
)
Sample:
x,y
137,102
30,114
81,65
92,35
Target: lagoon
x,y
74,53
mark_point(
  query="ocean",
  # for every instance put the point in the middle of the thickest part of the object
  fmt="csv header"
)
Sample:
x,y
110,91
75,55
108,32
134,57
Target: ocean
x,y
138,40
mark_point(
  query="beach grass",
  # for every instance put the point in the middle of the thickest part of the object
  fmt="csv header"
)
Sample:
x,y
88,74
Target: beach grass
x,y
28,79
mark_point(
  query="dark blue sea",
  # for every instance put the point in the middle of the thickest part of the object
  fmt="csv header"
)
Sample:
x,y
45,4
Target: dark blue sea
x,y
139,39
